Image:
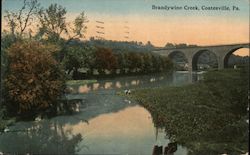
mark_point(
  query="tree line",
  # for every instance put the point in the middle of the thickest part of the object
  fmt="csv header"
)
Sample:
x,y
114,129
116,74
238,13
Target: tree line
x,y
89,61
35,65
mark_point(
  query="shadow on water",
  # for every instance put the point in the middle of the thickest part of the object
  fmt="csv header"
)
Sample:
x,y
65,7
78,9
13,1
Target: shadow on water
x,y
93,105
39,138
146,81
55,136
102,122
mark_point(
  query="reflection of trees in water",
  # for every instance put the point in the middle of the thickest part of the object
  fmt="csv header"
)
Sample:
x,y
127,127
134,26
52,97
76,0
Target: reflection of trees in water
x,y
51,136
42,138
94,104
167,150
124,82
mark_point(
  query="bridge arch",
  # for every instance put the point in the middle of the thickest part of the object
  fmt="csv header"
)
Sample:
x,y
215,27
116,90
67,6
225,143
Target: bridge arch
x,y
227,56
221,52
197,55
173,54
179,58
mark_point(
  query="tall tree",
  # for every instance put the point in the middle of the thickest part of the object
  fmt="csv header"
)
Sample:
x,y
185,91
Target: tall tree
x,y
53,23
18,22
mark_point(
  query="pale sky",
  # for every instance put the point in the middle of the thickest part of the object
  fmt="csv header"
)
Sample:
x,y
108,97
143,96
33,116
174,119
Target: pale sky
x,y
137,20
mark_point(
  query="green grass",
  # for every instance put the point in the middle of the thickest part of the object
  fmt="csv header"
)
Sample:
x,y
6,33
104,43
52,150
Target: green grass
x,y
79,82
212,111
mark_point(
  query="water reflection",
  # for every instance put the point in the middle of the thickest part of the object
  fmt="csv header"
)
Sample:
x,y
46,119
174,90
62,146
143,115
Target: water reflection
x,y
170,149
84,89
105,123
156,80
42,137
129,131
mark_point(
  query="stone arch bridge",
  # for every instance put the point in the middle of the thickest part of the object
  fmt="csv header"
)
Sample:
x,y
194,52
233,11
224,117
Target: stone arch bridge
x,y
222,53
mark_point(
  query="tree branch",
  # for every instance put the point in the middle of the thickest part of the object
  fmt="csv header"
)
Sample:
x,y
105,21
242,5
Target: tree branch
x,y
33,4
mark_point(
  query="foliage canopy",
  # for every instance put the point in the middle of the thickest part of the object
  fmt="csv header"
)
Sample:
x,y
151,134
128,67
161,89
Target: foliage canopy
x,y
34,78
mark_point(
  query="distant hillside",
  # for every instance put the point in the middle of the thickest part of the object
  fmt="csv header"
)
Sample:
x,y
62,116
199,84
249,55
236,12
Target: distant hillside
x,y
118,46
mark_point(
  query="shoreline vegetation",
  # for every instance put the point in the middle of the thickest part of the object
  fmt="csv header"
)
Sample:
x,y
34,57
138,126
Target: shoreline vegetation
x,y
202,116
36,66
79,82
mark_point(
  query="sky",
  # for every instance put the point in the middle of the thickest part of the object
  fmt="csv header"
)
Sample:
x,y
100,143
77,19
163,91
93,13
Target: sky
x,y
135,20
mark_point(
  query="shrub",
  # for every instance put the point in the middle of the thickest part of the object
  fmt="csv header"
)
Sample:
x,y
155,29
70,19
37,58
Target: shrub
x,y
210,114
34,78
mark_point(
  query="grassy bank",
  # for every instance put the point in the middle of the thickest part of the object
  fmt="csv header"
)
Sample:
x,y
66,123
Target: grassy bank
x,y
79,82
207,117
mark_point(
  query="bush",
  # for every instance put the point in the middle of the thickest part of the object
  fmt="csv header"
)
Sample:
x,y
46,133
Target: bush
x,y
34,78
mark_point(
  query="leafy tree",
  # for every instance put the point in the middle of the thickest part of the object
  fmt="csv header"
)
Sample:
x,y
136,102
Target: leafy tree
x,y
53,27
34,79
7,40
121,46
147,57
53,24
105,59
156,63
135,60
78,56
166,63
121,62
52,21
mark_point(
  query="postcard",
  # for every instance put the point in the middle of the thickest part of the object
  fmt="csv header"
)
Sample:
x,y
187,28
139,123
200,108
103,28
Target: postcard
x,y
135,77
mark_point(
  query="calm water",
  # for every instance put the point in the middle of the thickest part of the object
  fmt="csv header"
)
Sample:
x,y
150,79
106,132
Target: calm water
x,y
104,123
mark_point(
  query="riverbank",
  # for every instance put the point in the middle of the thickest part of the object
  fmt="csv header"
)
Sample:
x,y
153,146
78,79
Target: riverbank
x,y
207,117
5,122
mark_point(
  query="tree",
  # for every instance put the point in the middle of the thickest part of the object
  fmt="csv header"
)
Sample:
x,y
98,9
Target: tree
x,y
53,24
18,22
156,63
121,62
78,56
34,79
105,60
134,61
147,57
149,45
166,63
169,45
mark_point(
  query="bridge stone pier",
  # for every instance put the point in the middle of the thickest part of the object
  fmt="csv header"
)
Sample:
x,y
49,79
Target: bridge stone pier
x,y
222,53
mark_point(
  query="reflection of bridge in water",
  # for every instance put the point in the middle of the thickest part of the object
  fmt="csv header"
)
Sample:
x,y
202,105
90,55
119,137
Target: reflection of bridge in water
x,y
222,53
